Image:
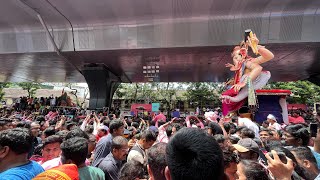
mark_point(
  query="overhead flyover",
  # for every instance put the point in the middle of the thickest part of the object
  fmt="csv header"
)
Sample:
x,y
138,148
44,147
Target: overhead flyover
x,y
106,42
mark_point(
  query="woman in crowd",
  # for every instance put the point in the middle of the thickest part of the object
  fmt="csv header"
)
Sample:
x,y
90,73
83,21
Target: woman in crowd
x,y
251,170
296,135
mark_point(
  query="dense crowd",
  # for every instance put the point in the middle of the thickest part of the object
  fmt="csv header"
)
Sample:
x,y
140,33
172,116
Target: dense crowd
x,y
70,143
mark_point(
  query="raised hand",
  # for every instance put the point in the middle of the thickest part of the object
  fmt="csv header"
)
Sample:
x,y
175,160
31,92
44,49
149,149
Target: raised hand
x,y
238,86
278,168
231,66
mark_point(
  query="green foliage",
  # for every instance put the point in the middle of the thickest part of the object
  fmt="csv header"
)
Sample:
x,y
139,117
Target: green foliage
x,y
303,92
201,93
149,92
42,86
30,87
2,86
128,91
167,93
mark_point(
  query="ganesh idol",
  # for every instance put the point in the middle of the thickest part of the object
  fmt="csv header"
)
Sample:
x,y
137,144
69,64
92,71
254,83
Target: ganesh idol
x,y
249,74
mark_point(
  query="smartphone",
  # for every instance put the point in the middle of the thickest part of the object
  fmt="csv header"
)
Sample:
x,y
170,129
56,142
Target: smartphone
x,y
313,129
281,155
247,34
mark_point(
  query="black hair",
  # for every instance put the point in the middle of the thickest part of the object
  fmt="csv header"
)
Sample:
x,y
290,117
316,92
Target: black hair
x,y
227,127
148,135
76,132
157,160
229,157
160,123
193,154
63,134
232,131
253,170
52,139
244,109
19,140
132,170
23,124
118,142
70,125
264,129
40,119
153,123
49,131
135,124
38,150
234,139
234,119
169,131
216,129
304,153
298,131
246,132
271,144
131,134
239,128
177,126
219,138
53,122
75,149
114,125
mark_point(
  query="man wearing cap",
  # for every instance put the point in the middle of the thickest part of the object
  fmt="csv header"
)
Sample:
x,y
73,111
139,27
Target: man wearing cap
x,y
247,149
102,131
273,124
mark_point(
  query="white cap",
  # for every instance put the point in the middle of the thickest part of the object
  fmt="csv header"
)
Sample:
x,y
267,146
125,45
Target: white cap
x,y
270,116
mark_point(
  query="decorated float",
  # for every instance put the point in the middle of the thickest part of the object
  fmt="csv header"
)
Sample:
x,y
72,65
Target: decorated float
x,y
244,89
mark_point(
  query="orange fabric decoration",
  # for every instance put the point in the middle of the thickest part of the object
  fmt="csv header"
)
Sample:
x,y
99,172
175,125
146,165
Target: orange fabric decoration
x,y
62,172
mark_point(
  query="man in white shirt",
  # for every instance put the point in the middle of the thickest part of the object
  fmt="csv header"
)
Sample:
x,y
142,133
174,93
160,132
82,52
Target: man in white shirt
x,y
249,124
138,151
245,120
273,124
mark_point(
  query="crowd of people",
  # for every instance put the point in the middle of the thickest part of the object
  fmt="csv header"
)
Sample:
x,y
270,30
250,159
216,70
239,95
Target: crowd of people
x,y
70,144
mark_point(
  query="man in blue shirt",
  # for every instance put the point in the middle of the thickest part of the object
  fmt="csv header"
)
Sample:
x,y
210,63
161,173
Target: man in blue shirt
x,y
103,147
14,147
112,164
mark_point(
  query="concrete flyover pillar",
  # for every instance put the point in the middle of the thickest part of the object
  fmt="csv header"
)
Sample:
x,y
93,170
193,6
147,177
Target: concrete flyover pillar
x,y
102,85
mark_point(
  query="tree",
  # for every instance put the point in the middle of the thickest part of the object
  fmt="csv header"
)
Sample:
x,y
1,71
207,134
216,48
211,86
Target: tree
x,y
201,93
30,87
149,92
128,91
2,86
165,92
303,92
